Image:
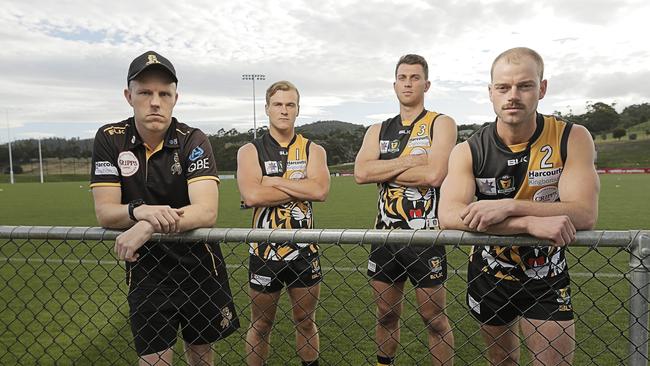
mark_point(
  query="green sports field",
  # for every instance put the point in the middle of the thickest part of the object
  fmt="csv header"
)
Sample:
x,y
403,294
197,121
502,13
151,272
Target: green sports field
x,y
64,302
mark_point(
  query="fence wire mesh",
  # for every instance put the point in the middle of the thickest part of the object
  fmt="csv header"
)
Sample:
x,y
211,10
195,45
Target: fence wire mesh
x,y
64,297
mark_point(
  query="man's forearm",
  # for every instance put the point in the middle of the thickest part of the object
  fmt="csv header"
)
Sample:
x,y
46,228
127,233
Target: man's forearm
x,y
113,216
303,189
265,196
379,171
583,216
197,216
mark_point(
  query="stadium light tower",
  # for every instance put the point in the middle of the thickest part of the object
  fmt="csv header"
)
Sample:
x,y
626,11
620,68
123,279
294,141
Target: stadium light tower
x,y
254,77
11,163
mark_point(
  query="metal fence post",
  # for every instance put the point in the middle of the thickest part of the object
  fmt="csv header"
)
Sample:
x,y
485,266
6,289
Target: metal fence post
x,y
640,279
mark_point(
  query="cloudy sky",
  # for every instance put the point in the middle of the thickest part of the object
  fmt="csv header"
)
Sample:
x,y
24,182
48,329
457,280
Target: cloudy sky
x,y
63,63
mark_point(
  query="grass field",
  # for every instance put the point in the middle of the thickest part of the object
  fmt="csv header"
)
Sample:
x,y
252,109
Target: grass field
x,y
74,311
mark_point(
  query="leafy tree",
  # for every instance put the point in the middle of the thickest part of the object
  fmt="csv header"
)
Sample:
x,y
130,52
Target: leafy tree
x,y
635,114
601,117
618,133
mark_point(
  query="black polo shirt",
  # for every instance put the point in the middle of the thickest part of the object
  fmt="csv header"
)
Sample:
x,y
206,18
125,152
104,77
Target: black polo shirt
x,y
159,175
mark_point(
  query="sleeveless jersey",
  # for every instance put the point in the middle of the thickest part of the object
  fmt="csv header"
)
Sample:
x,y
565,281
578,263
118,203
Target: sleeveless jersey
x,y
401,207
530,174
290,163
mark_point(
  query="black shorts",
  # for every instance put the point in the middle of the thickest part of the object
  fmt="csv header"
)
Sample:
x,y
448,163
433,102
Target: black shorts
x,y
271,276
424,266
495,301
205,313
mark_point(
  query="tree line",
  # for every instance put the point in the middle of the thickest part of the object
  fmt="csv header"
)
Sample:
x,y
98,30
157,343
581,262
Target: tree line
x,y
340,139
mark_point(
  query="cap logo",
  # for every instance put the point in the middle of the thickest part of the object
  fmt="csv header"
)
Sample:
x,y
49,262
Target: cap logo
x,y
152,59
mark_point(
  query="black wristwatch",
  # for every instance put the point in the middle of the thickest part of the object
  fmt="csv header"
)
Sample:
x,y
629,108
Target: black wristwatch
x,y
132,205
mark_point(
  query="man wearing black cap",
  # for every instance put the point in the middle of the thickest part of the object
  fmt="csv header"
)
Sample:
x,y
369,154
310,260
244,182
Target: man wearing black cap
x,y
153,174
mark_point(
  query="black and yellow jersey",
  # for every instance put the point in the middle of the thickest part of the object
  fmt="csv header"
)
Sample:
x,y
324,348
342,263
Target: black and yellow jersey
x,y
400,206
529,171
289,162
159,175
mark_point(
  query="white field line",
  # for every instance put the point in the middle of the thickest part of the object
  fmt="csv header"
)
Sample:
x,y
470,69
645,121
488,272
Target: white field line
x,y
361,269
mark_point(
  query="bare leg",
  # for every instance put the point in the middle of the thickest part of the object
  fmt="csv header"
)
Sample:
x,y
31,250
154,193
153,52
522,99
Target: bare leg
x,y
502,343
431,306
550,342
263,308
388,298
303,305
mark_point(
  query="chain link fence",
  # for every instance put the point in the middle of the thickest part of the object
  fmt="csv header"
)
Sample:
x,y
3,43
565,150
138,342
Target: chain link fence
x,y
63,297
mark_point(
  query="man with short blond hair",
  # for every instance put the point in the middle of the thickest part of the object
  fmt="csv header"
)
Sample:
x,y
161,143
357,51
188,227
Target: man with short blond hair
x,y
279,175
530,174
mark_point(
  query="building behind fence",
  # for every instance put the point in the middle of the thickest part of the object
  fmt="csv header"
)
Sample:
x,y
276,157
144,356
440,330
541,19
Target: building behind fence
x,y
63,296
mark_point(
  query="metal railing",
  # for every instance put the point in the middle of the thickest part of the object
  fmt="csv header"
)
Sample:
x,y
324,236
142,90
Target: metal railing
x,y
63,295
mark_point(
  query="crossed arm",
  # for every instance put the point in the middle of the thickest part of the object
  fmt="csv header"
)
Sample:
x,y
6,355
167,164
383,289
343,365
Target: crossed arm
x,y
201,212
264,191
557,221
411,170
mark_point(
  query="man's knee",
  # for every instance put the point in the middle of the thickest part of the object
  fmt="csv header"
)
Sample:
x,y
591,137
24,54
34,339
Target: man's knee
x,y
501,356
437,325
262,327
388,317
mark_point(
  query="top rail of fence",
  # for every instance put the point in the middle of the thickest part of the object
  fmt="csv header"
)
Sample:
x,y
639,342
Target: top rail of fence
x,y
592,239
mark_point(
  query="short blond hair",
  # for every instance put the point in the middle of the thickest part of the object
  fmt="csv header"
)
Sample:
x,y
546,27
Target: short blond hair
x,y
280,85
514,55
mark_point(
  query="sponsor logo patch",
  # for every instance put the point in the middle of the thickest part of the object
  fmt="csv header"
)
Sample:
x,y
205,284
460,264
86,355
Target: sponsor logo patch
x,y
128,163
199,165
544,177
105,168
419,141
474,305
487,186
296,164
196,153
260,280
372,266
547,194
515,161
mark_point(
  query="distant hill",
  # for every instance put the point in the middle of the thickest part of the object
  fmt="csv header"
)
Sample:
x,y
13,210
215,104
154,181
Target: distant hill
x,y
327,127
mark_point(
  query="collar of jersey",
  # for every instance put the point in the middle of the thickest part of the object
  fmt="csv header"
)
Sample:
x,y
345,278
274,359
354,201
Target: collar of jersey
x,y
170,140
419,117
276,143
538,131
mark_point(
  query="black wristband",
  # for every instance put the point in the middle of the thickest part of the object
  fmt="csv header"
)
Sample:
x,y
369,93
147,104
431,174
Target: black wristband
x,y
132,205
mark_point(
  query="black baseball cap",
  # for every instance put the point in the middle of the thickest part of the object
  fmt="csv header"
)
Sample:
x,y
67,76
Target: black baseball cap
x,y
147,60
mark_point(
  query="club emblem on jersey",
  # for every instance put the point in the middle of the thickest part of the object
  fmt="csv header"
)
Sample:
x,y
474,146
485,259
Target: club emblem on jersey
x,y
506,184
176,167
394,146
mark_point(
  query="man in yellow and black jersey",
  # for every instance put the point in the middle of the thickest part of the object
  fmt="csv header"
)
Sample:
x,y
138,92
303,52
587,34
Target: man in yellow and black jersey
x,y
279,175
531,174
152,173
406,156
